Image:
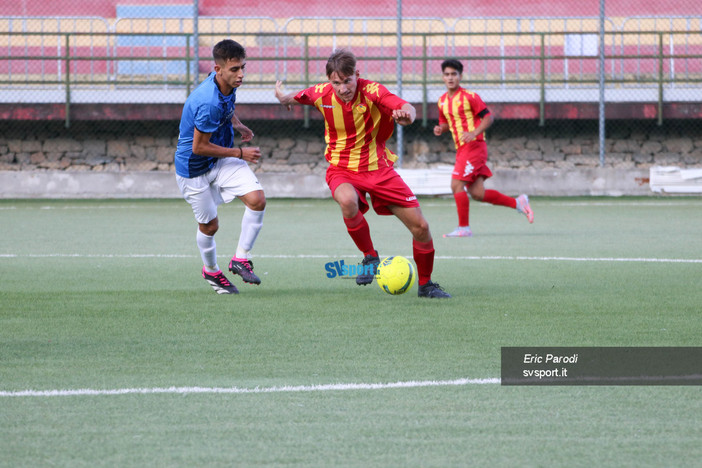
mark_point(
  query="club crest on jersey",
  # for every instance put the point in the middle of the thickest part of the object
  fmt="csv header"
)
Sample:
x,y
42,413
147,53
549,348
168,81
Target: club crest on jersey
x,y
372,88
361,108
320,87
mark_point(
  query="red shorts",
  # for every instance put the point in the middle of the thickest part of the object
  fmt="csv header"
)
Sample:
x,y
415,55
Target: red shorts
x,y
471,162
385,187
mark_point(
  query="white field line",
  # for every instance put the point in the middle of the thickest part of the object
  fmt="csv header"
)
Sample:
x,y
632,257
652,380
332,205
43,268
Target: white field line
x,y
613,203
448,200
442,257
577,259
244,390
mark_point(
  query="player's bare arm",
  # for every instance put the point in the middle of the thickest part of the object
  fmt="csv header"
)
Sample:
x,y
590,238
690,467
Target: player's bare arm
x,y
203,147
440,129
484,125
285,99
246,133
405,115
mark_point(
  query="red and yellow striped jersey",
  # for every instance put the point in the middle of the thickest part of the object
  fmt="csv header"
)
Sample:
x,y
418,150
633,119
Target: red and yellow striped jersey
x,y
356,132
462,114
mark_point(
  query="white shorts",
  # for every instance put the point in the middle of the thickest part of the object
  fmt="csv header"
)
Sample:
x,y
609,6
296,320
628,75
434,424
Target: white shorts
x,y
228,179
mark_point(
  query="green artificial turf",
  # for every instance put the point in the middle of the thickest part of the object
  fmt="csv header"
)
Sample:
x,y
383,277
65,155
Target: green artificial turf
x,y
99,297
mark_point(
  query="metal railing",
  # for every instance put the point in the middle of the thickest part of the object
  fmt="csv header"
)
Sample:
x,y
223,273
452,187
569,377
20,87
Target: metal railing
x,y
463,36
69,62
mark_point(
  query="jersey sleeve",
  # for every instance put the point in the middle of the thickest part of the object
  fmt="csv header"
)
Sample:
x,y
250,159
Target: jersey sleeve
x,y
386,100
310,95
442,117
205,121
477,104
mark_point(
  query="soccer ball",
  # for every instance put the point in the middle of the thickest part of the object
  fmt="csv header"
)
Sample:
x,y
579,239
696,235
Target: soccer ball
x,y
395,275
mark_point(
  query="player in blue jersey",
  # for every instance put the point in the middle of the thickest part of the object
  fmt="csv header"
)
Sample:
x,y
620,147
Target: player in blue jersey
x,y
211,169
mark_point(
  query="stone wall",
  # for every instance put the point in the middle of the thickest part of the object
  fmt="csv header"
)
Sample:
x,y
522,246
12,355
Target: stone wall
x,y
287,147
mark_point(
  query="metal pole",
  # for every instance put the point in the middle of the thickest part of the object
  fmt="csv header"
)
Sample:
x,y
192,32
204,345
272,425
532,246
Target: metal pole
x,y
306,109
425,85
196,40
602,83
67,124
399,132
660,79
542,96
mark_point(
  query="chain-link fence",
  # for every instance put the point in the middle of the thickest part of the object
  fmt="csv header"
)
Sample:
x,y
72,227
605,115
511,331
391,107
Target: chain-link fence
x,y
99,85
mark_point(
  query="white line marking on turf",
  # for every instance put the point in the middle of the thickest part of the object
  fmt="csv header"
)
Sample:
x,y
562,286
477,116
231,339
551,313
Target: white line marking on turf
x,y
443,257
448,201
101,207
242,390
579,259
651,204
58,255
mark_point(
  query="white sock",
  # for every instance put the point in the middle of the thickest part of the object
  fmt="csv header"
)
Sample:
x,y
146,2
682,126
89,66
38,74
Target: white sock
x,y
208,251
251,224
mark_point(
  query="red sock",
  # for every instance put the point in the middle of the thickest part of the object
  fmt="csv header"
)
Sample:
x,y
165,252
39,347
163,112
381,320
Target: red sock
x,y
360,233
496,198
423,253
463,207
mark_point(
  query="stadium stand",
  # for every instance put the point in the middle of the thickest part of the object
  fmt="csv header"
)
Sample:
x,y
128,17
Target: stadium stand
x,y
152,19
137,54
411,8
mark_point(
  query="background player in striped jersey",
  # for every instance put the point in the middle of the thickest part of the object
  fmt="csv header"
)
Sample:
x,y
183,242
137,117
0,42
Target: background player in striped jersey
x,y
467,117
359,117
210,170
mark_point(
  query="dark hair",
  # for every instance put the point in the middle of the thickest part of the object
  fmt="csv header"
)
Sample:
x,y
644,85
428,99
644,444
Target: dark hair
x,y
453,63
343,62
227,50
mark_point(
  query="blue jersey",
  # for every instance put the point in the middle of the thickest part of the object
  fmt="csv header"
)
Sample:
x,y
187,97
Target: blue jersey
x,y
210,111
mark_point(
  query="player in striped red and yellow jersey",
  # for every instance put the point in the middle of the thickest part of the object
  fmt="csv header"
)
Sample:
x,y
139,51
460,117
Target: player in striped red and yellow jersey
x,y
466,116
356,131
359,118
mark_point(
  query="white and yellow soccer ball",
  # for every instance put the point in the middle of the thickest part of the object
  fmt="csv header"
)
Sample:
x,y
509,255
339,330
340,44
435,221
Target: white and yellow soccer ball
x,y
396,275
